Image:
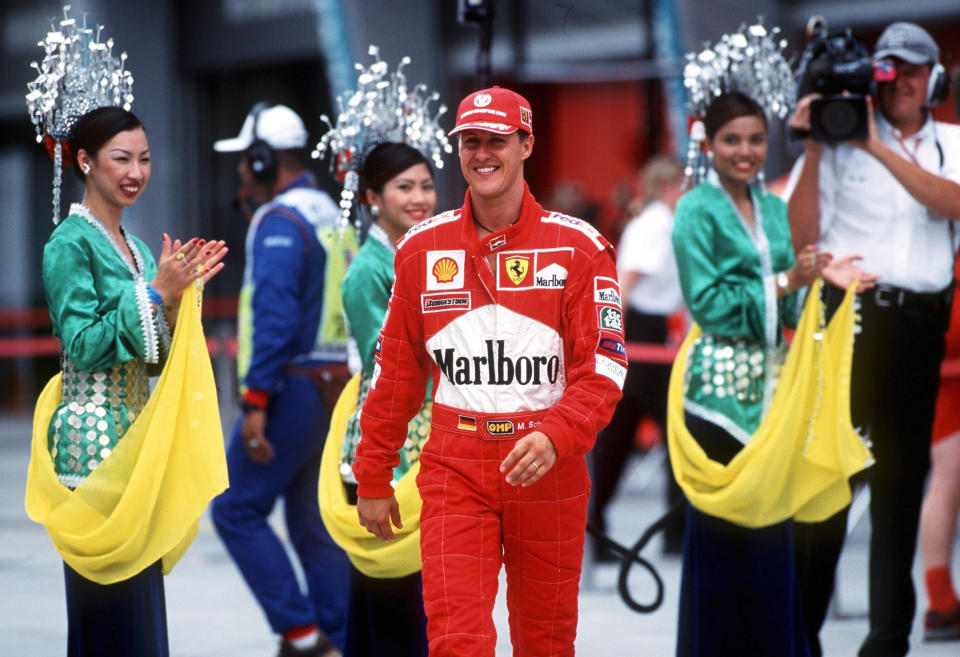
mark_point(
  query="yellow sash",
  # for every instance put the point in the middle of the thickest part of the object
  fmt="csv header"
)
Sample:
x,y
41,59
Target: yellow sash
x,y
800,458
143,502
369,555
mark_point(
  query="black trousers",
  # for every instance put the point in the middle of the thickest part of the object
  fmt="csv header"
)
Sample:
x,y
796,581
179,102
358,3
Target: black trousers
x,y
644,394
895,378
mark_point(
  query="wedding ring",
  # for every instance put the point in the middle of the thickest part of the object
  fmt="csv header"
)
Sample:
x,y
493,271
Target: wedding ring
x,y
254,443
180,256
536,465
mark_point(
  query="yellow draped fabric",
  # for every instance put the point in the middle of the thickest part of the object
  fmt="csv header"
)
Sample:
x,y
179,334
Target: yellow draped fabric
x,y
798,462
369,555
143,502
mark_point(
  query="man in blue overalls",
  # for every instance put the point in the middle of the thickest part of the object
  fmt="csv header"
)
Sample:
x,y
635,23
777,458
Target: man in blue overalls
x,y
291,364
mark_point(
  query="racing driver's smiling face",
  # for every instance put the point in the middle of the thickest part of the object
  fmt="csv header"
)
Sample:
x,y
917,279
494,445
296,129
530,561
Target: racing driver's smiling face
x,y
492,163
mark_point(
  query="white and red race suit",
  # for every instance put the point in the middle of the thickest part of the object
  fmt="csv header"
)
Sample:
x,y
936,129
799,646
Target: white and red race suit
x,y
521,330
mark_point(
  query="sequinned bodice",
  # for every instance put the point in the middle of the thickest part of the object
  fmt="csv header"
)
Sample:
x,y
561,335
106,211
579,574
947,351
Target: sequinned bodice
x,y
95,411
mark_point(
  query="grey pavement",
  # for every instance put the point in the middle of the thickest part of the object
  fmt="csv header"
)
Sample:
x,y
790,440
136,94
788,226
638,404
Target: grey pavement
x,y
211,613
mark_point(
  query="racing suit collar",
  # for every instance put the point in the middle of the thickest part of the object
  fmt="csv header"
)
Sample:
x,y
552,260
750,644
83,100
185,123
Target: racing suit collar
x,y
512,235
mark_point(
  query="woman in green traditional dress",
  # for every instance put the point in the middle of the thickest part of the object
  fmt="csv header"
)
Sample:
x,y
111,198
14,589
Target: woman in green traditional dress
x,y
111,306
385,617
740,280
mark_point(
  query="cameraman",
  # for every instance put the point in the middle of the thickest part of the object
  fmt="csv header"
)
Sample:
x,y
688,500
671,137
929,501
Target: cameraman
x,y
893,198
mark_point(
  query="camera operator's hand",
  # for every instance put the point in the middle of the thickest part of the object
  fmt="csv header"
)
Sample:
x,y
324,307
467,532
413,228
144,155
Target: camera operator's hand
x,y
842,272
873,140
807,268
800,121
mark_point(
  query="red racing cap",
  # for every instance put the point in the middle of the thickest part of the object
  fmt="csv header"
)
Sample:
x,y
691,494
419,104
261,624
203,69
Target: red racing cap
x,y
496,110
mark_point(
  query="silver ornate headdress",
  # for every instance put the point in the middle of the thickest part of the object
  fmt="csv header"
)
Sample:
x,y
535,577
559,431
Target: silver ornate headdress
x,y
750,61
78,73
381,109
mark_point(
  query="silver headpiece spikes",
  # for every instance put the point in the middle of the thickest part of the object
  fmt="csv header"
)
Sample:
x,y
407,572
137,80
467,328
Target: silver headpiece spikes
x,y
78,73
381,109
750,61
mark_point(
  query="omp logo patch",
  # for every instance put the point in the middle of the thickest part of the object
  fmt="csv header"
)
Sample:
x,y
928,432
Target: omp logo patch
x,y
435,303
613,346
500,427
467,423
606,290
445,270
517,268
610,318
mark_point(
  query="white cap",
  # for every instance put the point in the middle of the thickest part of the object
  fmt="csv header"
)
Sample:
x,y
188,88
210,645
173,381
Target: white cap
x,y
279,126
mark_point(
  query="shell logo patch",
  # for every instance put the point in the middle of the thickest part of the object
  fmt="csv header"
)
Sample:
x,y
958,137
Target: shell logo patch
x,y
444,270
517,268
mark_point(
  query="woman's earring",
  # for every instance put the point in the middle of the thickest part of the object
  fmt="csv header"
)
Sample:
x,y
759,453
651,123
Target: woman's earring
x,y
375,210
85,168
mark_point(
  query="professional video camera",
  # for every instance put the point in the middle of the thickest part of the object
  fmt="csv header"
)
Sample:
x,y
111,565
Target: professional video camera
x,y
839,68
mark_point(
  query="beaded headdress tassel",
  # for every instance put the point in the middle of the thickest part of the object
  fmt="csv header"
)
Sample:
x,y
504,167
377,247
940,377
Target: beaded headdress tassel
x,y
381,109
750,61
78,73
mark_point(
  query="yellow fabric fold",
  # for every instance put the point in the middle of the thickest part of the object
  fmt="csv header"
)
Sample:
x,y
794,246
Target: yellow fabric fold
x,y
368,554
143,502
799,460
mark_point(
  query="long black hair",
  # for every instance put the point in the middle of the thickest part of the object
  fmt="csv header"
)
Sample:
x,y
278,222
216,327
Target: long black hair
x,y
96,128
385,162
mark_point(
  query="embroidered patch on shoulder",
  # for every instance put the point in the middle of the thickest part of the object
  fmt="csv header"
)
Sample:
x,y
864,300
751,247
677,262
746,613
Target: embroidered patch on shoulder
x,y
606,291
613,345
611,369
576,224
610,318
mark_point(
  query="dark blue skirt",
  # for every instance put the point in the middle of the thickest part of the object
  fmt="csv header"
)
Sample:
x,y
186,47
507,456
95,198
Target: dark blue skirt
x,y
738,591
125,619
385,617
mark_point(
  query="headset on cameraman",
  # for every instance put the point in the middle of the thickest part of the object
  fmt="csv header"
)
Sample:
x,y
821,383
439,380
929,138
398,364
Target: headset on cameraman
x,y
260,155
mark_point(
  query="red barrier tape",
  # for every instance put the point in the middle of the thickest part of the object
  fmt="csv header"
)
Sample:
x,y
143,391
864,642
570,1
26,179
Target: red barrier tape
x,y
637,352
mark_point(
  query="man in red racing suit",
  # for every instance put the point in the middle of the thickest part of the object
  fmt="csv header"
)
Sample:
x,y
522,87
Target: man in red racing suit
x,y
515,312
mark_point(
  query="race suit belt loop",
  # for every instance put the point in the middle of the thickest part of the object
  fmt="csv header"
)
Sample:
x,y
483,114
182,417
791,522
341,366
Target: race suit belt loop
x,y
489,426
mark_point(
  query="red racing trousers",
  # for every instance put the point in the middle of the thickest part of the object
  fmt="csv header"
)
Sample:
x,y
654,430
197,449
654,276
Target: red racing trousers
x,y
473,521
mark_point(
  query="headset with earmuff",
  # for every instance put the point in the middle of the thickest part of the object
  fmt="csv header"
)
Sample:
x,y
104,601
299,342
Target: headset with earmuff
x,y
938,87
260,155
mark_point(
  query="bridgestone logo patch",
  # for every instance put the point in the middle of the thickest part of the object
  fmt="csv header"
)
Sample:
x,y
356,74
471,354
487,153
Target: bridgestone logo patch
x,y
434,303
